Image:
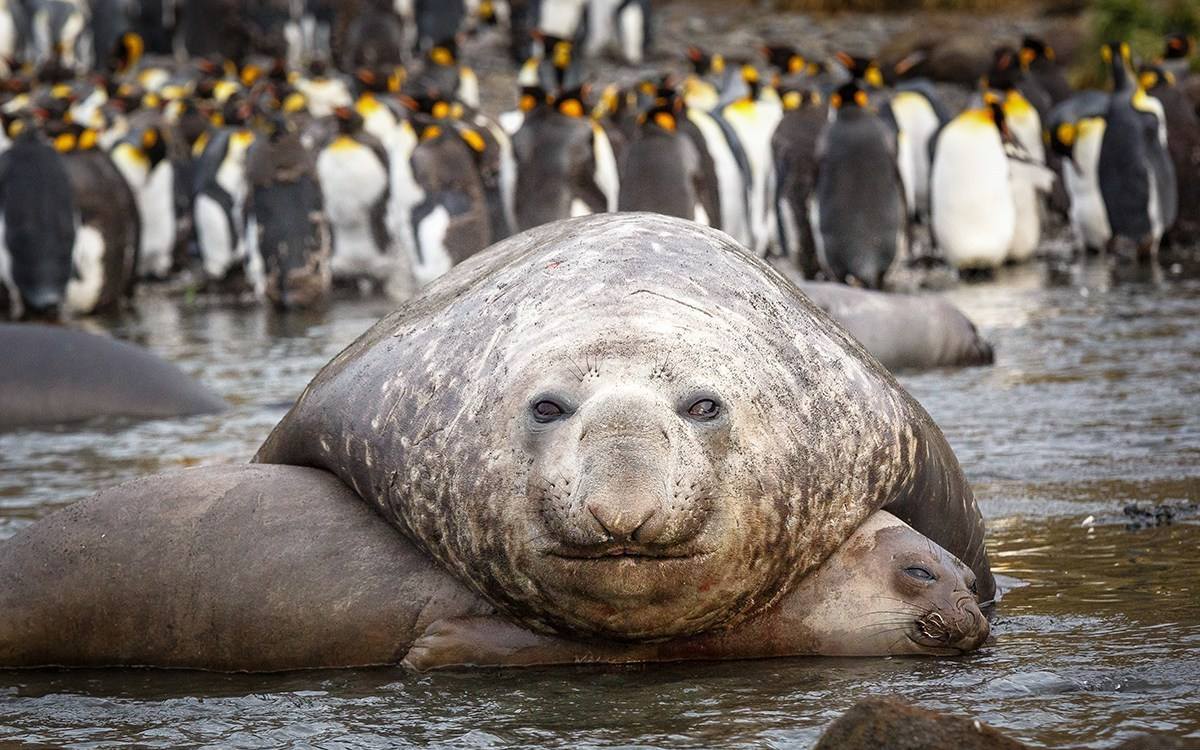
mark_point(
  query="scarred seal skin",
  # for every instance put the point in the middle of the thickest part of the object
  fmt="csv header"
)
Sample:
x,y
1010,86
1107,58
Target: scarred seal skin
x,y
625,427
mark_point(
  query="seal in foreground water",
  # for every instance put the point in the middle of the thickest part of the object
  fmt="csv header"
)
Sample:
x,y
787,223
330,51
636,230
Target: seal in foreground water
x,y
624,427
267,568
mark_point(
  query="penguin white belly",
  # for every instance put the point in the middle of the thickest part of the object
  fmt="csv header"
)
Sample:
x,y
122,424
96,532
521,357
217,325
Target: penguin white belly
x,y
8,33
352,182
700,216
632,30
908,171
1081,178
217,246
1027,230
468,88
325,95
156,205
87,279
579,208
6,276
435,258
973,213
730,184
561,18
600,31
918,123
511,121
1027,129
754,123
606,176
405,194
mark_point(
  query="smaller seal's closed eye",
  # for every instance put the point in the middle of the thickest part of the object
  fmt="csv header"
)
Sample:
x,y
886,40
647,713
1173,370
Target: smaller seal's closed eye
x,y
704,410
548,411
921,574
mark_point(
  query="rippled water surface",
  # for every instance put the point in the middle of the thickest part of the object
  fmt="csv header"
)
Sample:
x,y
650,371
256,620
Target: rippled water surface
x,y
1094,403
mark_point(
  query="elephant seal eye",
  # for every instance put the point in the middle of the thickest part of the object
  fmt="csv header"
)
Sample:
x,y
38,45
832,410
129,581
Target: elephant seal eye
x,y
921,574
547,411
704,410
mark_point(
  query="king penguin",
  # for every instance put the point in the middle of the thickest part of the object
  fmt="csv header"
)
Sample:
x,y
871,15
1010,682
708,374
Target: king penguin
x,y
973,216
752,116
39,219
1183,143
663,170
1075,130
859,217
354,178
794,146
1137,177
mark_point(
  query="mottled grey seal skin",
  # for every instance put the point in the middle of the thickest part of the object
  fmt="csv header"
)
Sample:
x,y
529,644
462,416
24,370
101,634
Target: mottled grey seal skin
x,y
887,591
624,426
903,331
51,375
239,568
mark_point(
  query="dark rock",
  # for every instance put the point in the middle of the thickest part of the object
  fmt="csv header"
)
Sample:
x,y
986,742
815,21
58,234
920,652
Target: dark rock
x,y
885,723
1156,741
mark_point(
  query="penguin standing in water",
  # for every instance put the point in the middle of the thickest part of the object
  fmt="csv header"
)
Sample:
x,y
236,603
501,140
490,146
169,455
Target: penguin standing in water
x,y
220,203
354,178
1076,130
858,213
104,258
973,216
794,146
919,114
1029,177
663,170
1137,177
293,236
1183,143
38,225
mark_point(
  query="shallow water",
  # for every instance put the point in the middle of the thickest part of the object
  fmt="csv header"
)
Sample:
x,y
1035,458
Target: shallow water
x,y
1094,403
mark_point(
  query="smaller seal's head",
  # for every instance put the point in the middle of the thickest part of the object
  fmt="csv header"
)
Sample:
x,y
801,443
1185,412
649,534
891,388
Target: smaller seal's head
x,y
941,606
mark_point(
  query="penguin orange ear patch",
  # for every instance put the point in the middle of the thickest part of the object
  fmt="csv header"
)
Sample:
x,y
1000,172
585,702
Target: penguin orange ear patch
x,y
665,120
571,108
528,102
473,139
835,101
860,98
150,139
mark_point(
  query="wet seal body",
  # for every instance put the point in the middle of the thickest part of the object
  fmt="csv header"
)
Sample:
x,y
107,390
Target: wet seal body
x,y
903,331
625,427
207,569
52,375
886,591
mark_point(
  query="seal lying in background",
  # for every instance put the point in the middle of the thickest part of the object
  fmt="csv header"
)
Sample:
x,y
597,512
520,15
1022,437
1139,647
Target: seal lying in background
x,y
52,375
265,568
624,427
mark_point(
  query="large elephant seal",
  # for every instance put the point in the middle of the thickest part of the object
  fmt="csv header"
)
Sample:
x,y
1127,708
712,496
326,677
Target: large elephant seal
x,y
52,375
886,591
267,568
625,427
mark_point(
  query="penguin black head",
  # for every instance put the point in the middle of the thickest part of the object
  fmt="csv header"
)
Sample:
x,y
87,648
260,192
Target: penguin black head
x,y
849,96
1179,46
444,54
794,97
1006,69
348,120
531,98
863,69
662,118
1033,48
237,111
1119,58
573,102
1150,76
704,63
785,59
126,53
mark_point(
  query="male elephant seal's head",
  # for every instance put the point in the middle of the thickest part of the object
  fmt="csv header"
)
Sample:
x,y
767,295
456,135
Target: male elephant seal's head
x,y
620,426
